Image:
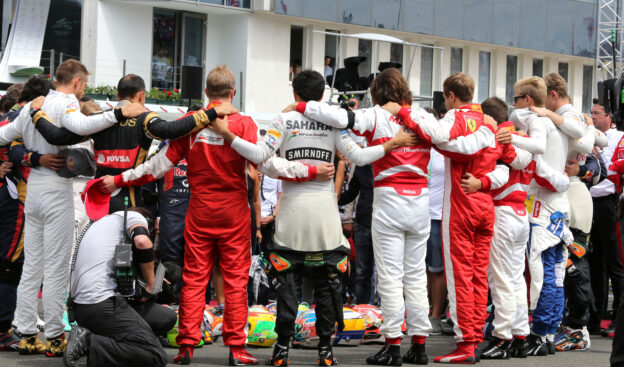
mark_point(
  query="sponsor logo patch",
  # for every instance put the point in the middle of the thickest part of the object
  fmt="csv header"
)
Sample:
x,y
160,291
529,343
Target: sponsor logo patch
x,y
309,153
274,133
116,158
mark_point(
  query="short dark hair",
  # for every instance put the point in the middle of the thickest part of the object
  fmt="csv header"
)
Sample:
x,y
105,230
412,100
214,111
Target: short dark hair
x,y
497,108
36,86
11,97
262,132
595,101
70,69
309,85
390,86
129,86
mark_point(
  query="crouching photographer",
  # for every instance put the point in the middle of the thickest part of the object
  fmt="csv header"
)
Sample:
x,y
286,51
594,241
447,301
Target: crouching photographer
x,y
114,330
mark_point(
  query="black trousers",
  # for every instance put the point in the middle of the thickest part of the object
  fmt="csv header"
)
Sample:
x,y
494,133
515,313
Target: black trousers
x,y
617,354
8,301
325,274
578,289
605,260
120,337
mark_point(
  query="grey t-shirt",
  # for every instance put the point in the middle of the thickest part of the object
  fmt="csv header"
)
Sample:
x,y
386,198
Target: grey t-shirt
x,y
91,280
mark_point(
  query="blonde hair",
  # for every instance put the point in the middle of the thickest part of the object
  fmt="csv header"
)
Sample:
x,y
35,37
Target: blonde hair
x,y
533,86
461,85
220,82
558,84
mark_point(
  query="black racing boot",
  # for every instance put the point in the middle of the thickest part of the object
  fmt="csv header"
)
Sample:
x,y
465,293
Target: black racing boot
x,y
279,357
389,355
497,349
326,356
519,348
416,354
537,345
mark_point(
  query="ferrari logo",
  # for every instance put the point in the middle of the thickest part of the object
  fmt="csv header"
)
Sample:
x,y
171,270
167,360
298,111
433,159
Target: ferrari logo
x,y
472,125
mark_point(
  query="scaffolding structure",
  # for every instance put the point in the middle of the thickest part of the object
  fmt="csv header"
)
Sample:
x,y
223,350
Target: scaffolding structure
x,y
609,40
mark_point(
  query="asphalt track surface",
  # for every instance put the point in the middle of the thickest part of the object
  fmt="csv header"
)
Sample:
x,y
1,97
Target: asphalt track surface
x,y
217,355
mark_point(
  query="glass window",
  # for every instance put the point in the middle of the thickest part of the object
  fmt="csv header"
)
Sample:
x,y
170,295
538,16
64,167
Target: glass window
x,y
193,35
364,49
506,22
457,59
533,24
386,13
426,71
584,28
178,40
239,3
417,16
63,30
479,28
512,76
484,75
164,45
563,70
331,50
538,67
559,26
289,7
320,9
354,11
448,19
218,2
296,51
396,53
588,74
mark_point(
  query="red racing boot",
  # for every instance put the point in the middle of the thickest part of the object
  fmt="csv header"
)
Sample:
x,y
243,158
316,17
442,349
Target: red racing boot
x,y
463,354
185,355
240,357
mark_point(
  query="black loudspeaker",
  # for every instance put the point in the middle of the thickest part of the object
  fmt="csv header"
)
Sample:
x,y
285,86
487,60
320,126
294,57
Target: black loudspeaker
x,y
438,99
192,82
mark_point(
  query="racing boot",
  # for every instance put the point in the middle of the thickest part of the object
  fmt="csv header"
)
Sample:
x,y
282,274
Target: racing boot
x,y
389,355
463,354
185,355
8,341
497,349
550,344
573,340
77,345
326,356
416,354
279,357
56,347
536,345
240,357
519,347
30,345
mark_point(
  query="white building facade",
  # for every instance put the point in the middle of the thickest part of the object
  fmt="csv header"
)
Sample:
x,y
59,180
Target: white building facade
x,y
264,41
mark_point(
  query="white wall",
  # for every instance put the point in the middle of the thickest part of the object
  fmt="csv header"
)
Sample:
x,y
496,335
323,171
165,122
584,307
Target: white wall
x,y
226,43
124,31
268,58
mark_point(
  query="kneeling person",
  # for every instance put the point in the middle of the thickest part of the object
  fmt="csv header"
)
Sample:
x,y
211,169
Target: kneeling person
x,y
114,333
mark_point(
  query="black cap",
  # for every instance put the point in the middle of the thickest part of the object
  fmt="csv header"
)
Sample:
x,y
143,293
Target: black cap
x,y
389,64
78,162
354,61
